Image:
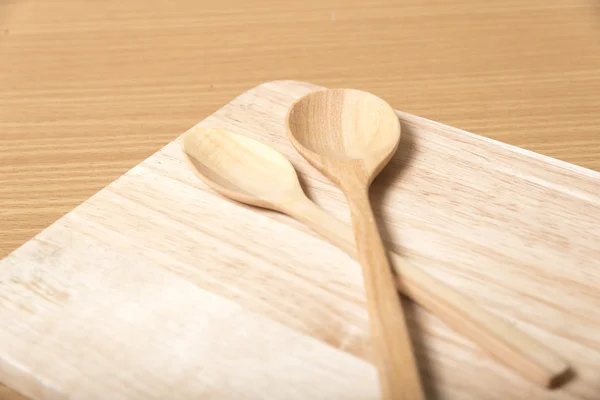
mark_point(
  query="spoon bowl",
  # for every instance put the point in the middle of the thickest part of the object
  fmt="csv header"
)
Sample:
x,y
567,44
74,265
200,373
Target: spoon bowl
x,y
346,125
241,168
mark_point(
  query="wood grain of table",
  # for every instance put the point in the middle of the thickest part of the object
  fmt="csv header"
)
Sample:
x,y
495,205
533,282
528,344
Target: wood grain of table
x,y
89,89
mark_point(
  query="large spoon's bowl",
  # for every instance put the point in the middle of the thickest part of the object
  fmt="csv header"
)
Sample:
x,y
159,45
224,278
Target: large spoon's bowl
x,y
240,168
344,125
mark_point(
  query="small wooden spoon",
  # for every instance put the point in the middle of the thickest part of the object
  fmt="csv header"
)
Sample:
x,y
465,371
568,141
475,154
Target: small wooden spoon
x,y
251,172
350,136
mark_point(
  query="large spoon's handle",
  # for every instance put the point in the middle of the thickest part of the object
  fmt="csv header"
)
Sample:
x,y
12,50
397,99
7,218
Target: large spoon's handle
x,y
394,355
503,341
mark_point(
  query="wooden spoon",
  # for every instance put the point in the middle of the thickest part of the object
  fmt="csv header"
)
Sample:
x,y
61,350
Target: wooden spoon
x,y
349,136
236,166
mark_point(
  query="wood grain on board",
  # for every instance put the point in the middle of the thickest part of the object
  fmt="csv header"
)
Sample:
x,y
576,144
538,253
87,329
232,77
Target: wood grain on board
x,y
158,287
89,89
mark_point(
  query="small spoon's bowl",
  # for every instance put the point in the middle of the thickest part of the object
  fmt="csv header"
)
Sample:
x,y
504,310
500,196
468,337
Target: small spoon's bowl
x,y
240,168
344,125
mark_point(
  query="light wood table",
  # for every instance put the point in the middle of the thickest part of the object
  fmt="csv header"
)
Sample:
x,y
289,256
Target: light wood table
x,y
89,89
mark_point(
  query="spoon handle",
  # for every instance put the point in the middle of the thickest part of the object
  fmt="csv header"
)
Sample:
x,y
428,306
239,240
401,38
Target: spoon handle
x,y
503,341
394,357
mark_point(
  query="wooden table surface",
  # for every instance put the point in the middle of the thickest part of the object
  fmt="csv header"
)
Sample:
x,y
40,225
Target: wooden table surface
x,y
89,89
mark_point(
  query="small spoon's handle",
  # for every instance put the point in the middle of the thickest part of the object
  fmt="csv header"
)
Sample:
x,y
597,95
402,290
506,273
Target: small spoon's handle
x,y
504,341
394,355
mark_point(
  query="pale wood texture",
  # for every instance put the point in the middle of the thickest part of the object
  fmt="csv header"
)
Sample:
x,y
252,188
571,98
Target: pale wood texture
x,y
79,78
252,172
159,287
393,354
350,135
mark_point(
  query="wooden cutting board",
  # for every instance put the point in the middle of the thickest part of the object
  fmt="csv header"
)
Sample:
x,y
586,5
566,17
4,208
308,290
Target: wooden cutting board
x,y
157,287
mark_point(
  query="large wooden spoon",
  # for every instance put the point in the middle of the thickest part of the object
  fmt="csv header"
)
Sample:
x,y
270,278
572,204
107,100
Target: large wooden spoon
x,y
251,172
350,136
